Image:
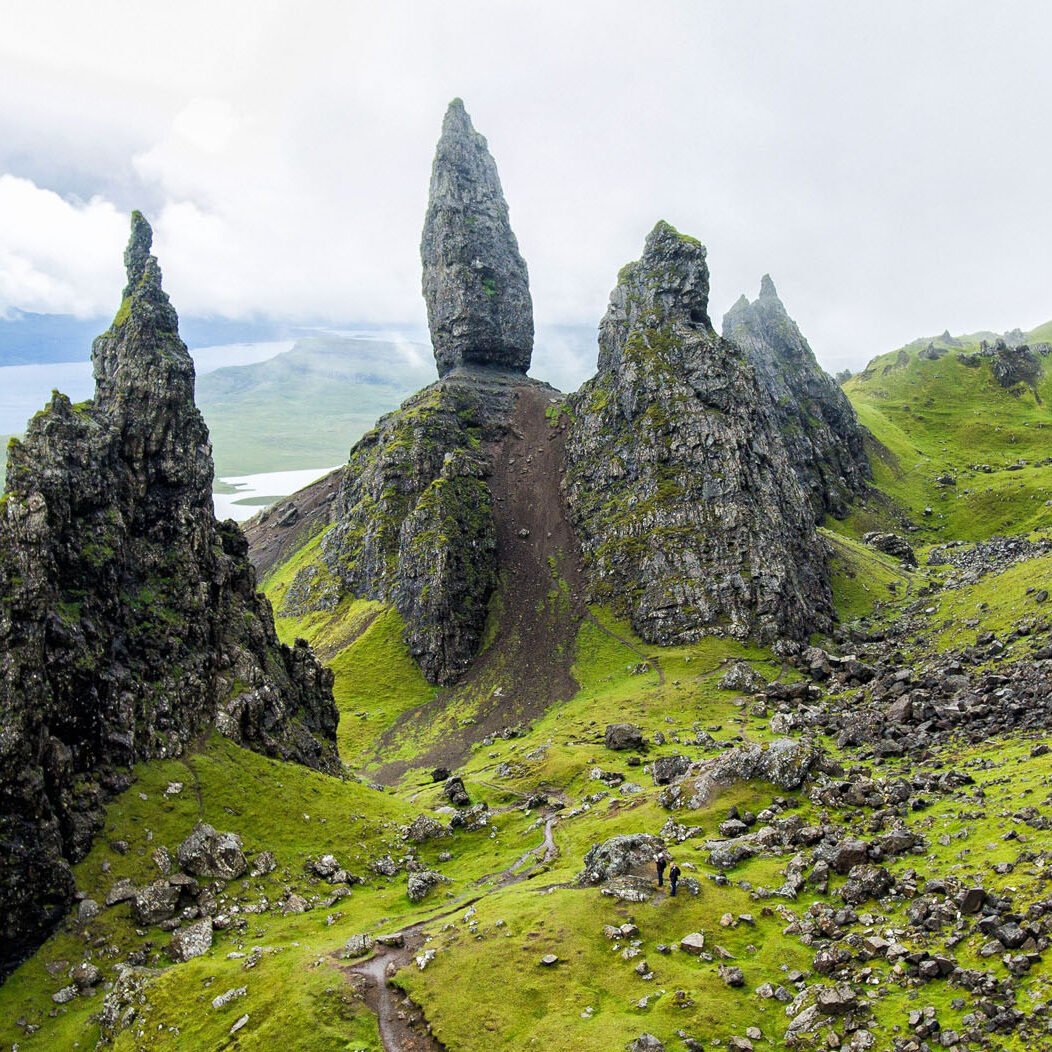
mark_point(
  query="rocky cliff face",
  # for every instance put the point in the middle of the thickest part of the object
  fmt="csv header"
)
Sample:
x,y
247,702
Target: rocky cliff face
x,y
682,491
129,618
821,432
413,521
475,282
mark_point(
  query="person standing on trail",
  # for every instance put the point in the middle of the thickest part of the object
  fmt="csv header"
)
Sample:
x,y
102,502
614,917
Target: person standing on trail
x,y
661,861
673,878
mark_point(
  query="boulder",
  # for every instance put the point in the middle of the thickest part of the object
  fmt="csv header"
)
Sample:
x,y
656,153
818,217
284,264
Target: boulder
x,y
693,944
455,792
206,853
666,769
155,903
424,828
421,884
618,856
192,940
891,544
621,736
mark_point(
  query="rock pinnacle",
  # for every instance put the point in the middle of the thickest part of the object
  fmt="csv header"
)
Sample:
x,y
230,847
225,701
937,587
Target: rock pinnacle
x,y
475,282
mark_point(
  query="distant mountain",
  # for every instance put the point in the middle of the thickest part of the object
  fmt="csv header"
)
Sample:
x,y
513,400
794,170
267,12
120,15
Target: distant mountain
x,y
35,339
307,407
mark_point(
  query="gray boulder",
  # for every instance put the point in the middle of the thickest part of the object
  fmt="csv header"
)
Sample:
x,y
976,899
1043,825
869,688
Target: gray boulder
x,y
155,903
206,853
621,736
618,856
421,884
891,544
645,1043
192,940
424,828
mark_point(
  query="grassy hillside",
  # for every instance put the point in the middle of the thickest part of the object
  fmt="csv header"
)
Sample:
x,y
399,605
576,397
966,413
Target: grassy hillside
x,y
307,407
478,947
958,443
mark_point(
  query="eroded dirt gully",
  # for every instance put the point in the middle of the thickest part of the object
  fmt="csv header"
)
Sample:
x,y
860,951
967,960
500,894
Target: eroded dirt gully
x,y
540,599
402,1024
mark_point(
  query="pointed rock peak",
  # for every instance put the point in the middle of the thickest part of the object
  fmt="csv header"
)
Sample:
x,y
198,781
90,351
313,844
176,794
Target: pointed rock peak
x,y
672,277
475,282
457,120
143,296
767,289
137,254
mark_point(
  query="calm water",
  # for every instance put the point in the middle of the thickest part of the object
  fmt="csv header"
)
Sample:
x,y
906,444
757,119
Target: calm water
x,y
257,491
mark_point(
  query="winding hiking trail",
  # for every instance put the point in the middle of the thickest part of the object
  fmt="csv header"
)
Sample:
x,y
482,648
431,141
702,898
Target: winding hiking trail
x,y
402,1023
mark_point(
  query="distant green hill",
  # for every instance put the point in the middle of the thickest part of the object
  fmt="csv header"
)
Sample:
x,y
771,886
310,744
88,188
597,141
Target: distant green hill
x,y
306,407
956,441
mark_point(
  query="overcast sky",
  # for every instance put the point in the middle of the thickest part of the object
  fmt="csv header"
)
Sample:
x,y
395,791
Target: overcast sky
x,y
887,163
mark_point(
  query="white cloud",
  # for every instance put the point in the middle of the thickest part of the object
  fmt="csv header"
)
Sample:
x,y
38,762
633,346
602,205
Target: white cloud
x,y
859,154
58,256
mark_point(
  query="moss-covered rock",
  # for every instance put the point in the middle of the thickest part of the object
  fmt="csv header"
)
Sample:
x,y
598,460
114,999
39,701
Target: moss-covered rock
x,y
688,511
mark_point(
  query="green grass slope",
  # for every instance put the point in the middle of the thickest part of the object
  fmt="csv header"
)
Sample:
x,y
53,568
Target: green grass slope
x,y
942,419
485,986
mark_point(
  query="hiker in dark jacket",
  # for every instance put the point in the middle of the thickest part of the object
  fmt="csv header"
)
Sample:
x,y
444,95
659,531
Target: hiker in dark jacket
x,y
673,878
661,861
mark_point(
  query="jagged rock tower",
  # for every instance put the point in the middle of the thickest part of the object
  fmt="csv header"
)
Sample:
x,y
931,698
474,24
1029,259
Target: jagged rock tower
x,y
414,521
475,282
682,492
129,618
825,441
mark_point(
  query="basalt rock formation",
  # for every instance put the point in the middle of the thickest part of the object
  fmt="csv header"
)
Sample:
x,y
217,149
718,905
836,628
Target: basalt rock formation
x,y
129,618
825,442
475,282
413,521
681,488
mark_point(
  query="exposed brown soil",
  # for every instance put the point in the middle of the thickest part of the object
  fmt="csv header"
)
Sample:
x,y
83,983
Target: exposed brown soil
x,y
527,666
270,543
401,1022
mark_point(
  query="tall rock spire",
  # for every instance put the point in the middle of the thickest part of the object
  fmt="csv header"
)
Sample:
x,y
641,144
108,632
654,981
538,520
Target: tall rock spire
x,y
129,618
688,512
475,281
825,441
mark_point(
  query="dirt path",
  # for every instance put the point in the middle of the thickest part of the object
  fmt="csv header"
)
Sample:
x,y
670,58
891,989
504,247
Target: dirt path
x,y
402,1023
527,667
